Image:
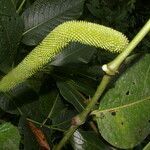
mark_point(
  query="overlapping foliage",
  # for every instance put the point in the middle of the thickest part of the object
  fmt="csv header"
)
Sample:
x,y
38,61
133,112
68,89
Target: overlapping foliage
x,y
63,88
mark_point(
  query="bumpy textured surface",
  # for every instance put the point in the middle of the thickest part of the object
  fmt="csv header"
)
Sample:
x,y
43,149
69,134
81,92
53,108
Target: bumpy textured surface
x,y
83,32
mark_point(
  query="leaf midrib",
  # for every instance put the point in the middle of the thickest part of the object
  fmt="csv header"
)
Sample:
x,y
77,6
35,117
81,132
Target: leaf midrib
x,y
120,107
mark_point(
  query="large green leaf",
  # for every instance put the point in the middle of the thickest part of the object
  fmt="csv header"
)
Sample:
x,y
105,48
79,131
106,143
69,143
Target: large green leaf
x,y
9,137
45,15
11,28
87,140
124,113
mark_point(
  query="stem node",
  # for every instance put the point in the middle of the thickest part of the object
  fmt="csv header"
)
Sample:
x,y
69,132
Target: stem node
x,y
77,121
108,70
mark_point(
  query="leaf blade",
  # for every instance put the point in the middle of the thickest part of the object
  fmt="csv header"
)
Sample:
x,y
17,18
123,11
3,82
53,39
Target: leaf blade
x,y
11,28
9,137
43,16
124,111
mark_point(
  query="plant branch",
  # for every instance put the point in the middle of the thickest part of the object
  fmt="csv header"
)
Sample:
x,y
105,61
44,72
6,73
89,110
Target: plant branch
x,y
47,126
114,65
20,7
80,119
111,69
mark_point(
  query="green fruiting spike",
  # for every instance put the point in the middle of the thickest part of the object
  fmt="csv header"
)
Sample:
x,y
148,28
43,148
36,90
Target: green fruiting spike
x,y
71,31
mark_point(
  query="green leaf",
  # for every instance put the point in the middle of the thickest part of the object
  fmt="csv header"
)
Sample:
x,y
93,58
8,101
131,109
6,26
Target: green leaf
x,y
9,137
113,14
71,94
44,107
44,15
83,86
87,140
11,28
42,111
17,98
124,113
40,108
14,2
63,119
73,54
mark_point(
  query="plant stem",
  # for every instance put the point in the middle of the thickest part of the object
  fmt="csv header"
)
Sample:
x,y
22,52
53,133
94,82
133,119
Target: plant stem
x,y
147,147
20,7
105,80
113,66
80,119
68,134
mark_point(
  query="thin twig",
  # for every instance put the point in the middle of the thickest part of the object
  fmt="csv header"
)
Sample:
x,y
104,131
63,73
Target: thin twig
x,y
20,7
